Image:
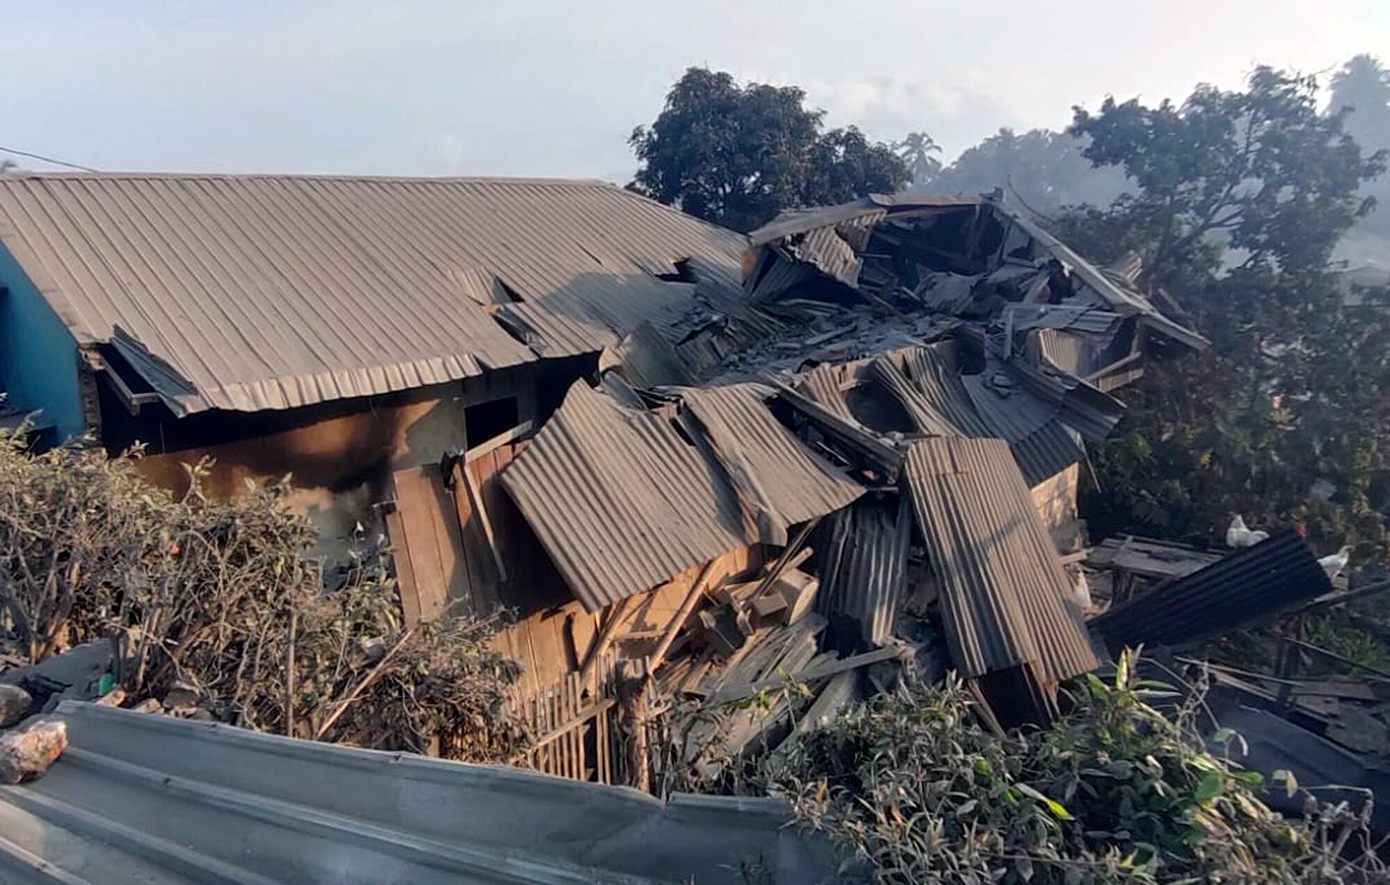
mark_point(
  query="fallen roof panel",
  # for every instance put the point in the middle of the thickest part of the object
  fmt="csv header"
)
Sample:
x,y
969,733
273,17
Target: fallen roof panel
x,y
269,292
148,798
623,500
1249,584
1005,598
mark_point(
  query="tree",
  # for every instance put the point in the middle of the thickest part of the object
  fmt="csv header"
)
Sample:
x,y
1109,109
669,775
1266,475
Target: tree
x,y
1040,168
1262,169
737,155
916,151
1363,87
1241,197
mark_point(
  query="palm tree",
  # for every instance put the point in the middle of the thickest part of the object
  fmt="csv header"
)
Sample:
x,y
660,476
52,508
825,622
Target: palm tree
x,y
916,150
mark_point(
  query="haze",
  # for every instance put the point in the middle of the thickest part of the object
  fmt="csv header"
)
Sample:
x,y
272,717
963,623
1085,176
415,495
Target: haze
x,y
552,88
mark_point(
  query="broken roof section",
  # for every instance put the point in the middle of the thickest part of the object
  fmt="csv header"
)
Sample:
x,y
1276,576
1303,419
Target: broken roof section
x,y
623,496
1006,601
844,282
923,245
270,292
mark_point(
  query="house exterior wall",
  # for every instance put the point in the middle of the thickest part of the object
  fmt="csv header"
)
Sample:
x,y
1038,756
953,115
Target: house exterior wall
x,y
1055,498
341,465
38,355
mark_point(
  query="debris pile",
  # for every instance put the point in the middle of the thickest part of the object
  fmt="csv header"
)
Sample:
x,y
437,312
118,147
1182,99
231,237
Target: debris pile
x,y
885,426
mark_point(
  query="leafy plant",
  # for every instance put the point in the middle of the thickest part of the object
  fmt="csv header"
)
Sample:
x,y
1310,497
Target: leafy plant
x,y
219,594
915,790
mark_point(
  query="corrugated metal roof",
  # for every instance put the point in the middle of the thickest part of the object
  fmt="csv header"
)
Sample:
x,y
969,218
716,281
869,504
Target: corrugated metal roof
x,y
270,292
1004,596
156,800
875,207
1249,584
622,500
863,572
941,401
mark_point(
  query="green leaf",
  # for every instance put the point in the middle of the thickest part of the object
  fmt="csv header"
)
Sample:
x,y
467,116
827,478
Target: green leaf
x,y
1058,810
1208,788
1286,777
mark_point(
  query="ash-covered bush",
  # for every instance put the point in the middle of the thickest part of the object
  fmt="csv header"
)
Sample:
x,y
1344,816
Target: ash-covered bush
x,y
916,791
219,594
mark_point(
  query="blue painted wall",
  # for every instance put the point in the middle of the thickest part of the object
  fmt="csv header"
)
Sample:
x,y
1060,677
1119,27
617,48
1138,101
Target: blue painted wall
x,y
38,355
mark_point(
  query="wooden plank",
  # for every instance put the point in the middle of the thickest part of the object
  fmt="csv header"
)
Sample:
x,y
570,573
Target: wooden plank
x,y
405,575
432,538
475,497
505,438
697,589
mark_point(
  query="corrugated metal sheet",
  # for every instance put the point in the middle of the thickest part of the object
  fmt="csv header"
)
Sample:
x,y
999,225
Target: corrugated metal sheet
x,y
827,250
1083,320
1250,584
270,292
1004,596
747,440
622,500
822,386
940,401
155,800
863,571
1109,293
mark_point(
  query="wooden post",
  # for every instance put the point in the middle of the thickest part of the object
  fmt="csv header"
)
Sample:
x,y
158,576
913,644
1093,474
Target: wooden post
x,y
697,588
633,679
289,678
604,639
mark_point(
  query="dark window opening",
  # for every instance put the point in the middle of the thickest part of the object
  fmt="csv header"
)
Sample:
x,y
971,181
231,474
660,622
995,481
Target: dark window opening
x,y
683,272
486,420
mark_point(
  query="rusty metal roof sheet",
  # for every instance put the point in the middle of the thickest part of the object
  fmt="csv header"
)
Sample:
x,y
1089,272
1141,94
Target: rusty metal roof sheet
x,y
622,499
940,401
1249,584
270,292
1005,598
863,564
867,211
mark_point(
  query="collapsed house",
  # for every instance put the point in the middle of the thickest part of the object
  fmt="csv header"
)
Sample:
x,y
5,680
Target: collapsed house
x,y
866,460
724,486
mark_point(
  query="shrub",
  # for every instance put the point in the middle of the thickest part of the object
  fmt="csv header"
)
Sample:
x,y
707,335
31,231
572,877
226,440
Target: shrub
x,y
219,594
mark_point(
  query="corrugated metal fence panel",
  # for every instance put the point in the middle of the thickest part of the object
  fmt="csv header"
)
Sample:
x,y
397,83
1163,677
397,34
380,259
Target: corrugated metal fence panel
x,y
140,798
864,564
1250,583
270,292
1005,598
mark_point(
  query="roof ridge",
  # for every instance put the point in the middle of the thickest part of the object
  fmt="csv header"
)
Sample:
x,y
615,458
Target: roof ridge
x,y
311,176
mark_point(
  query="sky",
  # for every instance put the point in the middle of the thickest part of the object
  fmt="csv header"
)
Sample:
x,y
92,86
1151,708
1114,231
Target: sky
x,y
432,87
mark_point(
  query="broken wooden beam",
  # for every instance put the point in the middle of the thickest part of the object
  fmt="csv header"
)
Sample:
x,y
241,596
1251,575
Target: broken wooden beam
x,y
697,589
878,452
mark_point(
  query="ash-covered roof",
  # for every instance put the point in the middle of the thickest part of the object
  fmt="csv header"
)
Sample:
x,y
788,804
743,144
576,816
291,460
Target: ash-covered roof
x,y
270,292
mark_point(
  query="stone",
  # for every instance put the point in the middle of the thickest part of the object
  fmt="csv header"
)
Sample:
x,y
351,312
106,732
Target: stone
x,y
15,704
148,705
27,752
113,698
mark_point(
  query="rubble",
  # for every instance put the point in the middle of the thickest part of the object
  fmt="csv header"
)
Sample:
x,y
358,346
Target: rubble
x,y
26,752
15,704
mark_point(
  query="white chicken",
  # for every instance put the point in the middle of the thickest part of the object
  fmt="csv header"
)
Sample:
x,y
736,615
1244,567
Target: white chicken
x,y
1335,563
1080,588
1240,535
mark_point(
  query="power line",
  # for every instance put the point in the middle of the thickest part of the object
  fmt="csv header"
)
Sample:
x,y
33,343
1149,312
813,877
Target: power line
x,y
45,159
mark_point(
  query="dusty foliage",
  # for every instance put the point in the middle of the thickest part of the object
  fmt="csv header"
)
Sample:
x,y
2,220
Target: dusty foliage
x,y
219,595
1114,793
